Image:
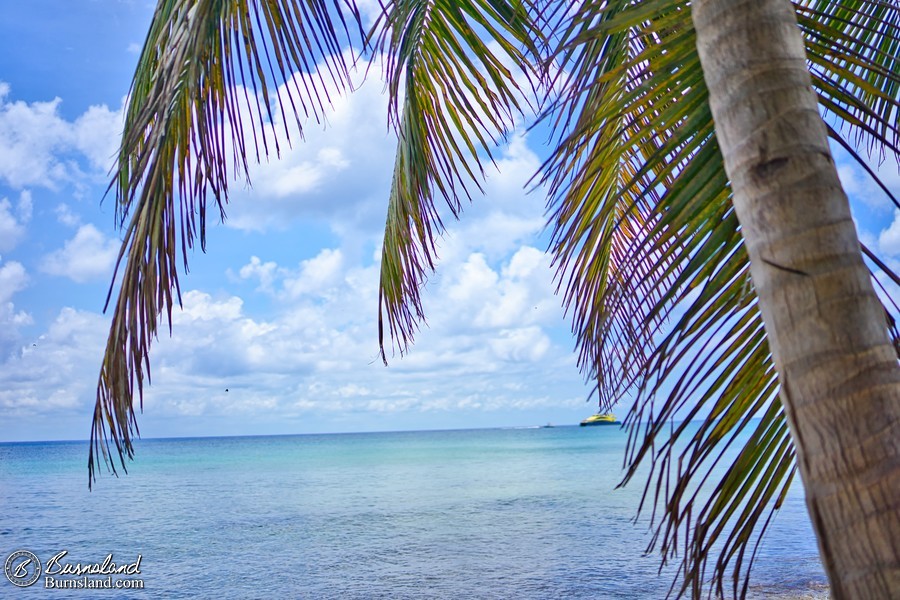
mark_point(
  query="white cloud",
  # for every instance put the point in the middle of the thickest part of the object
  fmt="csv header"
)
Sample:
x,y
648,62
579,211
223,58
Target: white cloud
x,y
506,217
490,309
24,206
369,10
889,239
65,216
316,275
57,371
471,281
852,182
525,293
889,173
39,148
198,306
30,136
13,278
87,256
11,231
312,347
519,345
340,172
860,186
256,269
96,134
10,318
317,353
12,221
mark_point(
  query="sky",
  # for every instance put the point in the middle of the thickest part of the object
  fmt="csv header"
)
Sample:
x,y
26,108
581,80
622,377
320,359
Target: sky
x,y
278,332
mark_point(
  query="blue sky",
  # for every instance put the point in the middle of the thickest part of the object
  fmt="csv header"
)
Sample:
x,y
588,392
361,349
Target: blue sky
x,y
281,312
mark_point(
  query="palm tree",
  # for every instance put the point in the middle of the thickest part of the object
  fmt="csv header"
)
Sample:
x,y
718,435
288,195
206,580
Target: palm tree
x,y
703,242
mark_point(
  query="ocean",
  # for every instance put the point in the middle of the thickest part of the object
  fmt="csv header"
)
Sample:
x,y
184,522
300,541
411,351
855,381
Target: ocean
x,y
488,513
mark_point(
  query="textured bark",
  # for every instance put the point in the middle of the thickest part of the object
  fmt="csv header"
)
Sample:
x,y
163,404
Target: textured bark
x,y
840,380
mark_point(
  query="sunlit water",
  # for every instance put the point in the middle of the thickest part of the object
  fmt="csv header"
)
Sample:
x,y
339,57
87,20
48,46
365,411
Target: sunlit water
x,y
500,513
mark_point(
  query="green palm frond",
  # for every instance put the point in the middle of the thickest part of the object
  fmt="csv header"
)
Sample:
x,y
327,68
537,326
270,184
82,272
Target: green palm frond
x,y
854,54
650,258
206,67
653,267
453,97
603,193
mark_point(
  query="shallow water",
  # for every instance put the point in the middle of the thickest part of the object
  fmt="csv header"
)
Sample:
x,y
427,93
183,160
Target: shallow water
x,y
498,513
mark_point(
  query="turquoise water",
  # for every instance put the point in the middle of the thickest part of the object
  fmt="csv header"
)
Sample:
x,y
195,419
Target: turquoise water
x,y
499,513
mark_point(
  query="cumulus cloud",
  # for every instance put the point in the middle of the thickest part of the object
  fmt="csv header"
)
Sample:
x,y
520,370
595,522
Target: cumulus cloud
x,y
39,148
13,278
11,322
492,314
13,221
488,347
524,294
489,344
57,372
332,172
317,275
65,216
889,173
198,306
30,136
860,186
526,344
316,354
340,171
369,10
264,272
889,239
87,256
96,135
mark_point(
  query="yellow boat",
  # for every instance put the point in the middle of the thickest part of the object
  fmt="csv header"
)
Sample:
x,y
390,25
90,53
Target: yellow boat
x,y
600,419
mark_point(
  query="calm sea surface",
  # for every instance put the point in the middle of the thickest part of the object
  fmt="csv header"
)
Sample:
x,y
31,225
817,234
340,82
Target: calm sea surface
x,y
498,513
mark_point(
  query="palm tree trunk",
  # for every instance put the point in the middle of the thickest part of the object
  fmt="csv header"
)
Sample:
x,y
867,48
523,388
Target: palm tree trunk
x,y
840,380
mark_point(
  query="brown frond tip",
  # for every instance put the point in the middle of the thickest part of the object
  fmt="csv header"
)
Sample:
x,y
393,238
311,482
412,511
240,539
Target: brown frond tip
x,y
114,421
99,451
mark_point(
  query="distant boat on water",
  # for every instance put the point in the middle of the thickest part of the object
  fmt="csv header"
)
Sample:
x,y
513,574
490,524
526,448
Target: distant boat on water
x,y
600,419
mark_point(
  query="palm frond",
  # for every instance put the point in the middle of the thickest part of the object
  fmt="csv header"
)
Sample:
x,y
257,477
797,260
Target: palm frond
x,y
207,66
603,193
648,250
653,268
452,100
854,54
